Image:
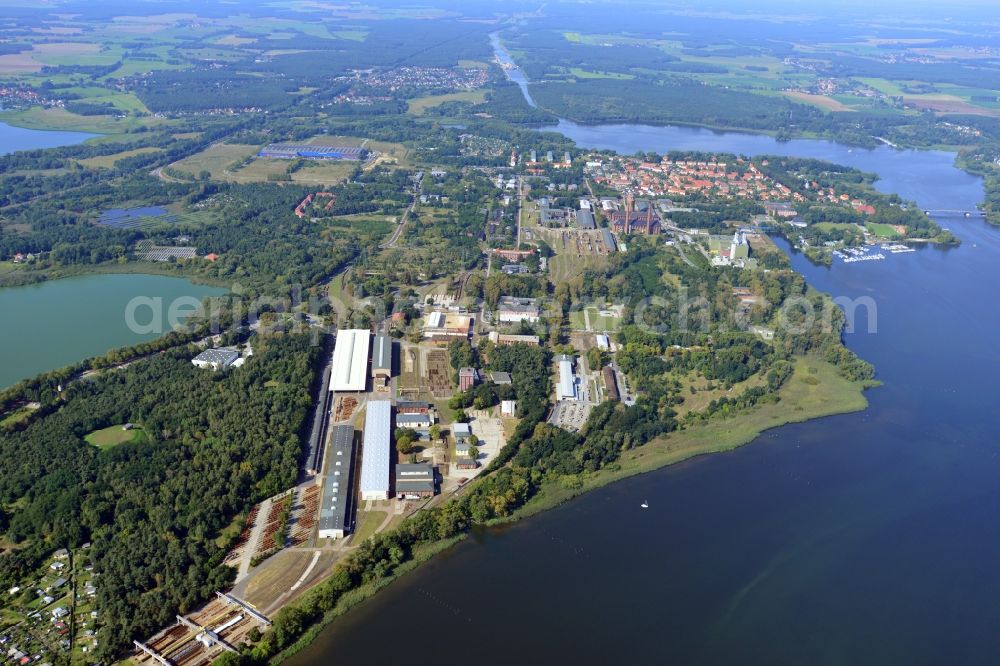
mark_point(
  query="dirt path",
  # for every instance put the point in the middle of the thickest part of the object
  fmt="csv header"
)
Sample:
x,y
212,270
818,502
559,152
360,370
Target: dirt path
x,y
255,535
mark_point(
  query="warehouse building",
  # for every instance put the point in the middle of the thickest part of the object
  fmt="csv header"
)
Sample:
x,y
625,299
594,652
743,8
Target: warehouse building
x,y
334,517
215,359
382,361
376,455
567,382
585,219
443,327
609,240
504,339
414,481
350,361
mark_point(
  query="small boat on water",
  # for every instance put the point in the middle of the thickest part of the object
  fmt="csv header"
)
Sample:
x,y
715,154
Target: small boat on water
x,y
645,504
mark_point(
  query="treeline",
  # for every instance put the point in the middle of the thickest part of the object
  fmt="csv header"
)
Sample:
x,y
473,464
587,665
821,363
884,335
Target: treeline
x,y
261,244
217,443
389,43
45,388
552,55
505,101
676,100
187,91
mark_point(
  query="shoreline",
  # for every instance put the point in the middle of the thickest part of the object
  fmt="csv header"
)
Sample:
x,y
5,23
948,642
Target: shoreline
x,y
815,391
84,270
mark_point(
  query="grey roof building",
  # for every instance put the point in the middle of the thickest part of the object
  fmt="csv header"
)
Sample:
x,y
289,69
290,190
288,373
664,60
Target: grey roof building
x,y
609,240
216,359
333,511
423,420
415,480
382,354
499,377
382,359
585,219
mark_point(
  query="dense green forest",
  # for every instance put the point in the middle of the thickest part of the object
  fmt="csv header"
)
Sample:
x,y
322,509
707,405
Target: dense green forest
x,y
218,442
672,101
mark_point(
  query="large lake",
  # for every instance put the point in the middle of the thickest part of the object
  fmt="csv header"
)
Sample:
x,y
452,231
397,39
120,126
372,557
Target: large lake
x,y
54,324
13,139
869,538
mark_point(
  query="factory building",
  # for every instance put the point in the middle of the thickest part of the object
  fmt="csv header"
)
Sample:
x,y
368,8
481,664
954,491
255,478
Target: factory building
x,y
350,361
443,327
216,359
376,454
567,381
382,361
334,516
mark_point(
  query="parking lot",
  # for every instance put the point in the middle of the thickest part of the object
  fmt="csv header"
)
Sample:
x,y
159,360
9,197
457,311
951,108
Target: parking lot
x,y
570,414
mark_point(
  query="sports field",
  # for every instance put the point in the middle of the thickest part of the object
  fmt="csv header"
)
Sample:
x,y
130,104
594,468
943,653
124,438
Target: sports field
x,y
114,435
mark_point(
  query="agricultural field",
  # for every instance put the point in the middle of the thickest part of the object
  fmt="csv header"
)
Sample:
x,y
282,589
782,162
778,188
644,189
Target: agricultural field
x,y
217,160
420,105
581,73
108,161
824,102
60,119
238,162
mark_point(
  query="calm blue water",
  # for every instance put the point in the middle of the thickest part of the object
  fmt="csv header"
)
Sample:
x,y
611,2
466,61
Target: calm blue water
x,y
59,322
13,139
511,69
